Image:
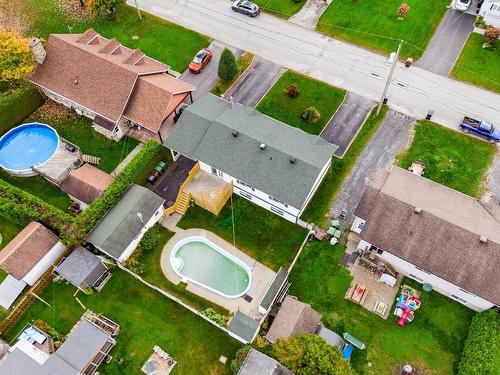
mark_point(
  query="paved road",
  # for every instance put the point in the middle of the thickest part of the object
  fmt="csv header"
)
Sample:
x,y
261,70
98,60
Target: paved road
x,y
392,136
345,124
256,81
447,42
415,91
205,80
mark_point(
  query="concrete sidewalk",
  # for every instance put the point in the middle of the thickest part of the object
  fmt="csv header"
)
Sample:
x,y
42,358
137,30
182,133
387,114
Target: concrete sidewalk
x,y
414,91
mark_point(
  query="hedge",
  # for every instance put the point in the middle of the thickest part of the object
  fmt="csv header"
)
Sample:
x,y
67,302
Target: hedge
x,y
89,218
23,207
481,345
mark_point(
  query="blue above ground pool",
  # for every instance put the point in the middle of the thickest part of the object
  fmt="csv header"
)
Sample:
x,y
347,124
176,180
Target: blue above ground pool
x,y
25,146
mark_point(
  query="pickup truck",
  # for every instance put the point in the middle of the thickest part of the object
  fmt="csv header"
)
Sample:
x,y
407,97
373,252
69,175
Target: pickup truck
x,y
481,128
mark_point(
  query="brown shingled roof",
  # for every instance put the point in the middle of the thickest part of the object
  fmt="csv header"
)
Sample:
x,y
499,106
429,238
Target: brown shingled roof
x,y
293,318
86,183
444,238
27,249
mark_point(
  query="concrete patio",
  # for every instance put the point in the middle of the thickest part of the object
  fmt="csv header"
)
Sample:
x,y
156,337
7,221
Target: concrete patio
x,y
57,168
262,276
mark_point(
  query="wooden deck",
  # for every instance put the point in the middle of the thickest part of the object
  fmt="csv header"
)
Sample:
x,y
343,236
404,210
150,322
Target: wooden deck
x,y
58,167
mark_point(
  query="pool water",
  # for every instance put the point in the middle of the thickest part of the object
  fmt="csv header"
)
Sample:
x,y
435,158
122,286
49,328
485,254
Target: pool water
x,y
27,145
211,269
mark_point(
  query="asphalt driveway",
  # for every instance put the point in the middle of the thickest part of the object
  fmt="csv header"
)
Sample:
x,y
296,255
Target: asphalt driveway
x,y
391,137
205,80
345,124
447,42
255,82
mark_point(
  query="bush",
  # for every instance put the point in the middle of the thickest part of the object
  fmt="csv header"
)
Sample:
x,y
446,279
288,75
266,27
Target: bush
x,y
150,239
211,314
89,218
481,345
310,115
227,65
292,91
22,208
48,329
239,358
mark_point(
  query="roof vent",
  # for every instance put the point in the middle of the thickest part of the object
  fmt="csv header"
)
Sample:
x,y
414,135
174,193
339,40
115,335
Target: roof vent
x,y
292,161
483,239
235,134
418,210
262,146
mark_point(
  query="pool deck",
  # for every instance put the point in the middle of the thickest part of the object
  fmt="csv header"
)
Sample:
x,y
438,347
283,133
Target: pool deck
x,y
57,168
262,276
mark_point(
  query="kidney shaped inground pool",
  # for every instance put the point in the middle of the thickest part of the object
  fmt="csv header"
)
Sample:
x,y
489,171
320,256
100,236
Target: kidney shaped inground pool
x,y
200,261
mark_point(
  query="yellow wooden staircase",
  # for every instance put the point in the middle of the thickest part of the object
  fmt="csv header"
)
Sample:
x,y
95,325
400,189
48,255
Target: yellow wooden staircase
x,y
182,202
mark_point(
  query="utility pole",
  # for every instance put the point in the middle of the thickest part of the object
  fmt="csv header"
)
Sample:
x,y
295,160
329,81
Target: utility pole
x,y
389,79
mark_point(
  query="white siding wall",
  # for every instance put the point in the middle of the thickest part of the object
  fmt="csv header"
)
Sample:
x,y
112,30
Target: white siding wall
x,y
44,264
258,197
316,185
440,285
490,10
131,247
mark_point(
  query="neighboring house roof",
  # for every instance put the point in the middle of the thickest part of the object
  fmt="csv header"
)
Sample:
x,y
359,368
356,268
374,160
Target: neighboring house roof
x,y
154,98
443,239
294,317
228,137
86,183
121,225
27,249
243,326
100,74
81,268
81,346
332,338
259,363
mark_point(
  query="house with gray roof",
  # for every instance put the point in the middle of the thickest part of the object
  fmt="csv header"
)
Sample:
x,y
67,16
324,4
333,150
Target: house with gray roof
x,y
259,363
432,234
119,232
274,165
84,349
83,269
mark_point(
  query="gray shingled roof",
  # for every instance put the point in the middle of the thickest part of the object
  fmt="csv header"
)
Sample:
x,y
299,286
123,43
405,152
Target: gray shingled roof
x,y
81,267
121,224
274,288
258,363
205,132
243,326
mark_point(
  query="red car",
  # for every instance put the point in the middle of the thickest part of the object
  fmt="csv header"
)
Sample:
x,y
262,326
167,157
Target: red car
x,y
199,62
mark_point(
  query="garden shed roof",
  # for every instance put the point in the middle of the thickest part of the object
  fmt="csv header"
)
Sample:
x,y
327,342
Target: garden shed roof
x,y
259,363
81,268
86,183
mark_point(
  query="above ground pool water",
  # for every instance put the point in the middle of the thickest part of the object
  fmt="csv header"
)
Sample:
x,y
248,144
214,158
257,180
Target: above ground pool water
x,y
27,145
208,267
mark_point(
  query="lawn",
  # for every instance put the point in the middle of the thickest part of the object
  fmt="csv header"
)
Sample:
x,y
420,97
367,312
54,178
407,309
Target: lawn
x,y
146,319
281,8
451,158
432,343
363,22
243,62
340,169
8,230
264,236
160,39
154,274
78,130
477,65
17,104
325,98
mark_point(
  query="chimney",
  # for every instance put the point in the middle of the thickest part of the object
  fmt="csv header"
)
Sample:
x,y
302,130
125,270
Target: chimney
x,y
262,146
483,239
36,48
418,210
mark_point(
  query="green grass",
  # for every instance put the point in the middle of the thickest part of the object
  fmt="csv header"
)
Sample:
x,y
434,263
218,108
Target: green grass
x,y
477,65
280,8
41,188
146,319
154,275
160,39
17,104
453,159
340,169
243,62
264,236
354,21
8,230
313,93
432,342
78,130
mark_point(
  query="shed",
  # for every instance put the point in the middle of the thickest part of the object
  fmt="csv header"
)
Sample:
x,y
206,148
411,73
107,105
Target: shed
x,y
293,318
82,269
85,184
10,289
259,363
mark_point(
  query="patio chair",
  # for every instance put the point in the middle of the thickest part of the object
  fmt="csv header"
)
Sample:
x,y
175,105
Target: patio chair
x,y
335,223
331,231
337,234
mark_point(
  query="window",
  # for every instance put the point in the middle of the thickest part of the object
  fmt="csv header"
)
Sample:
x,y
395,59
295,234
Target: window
x,y
245,184
457,298
247,196
275,210
278,201
412,276
214,171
